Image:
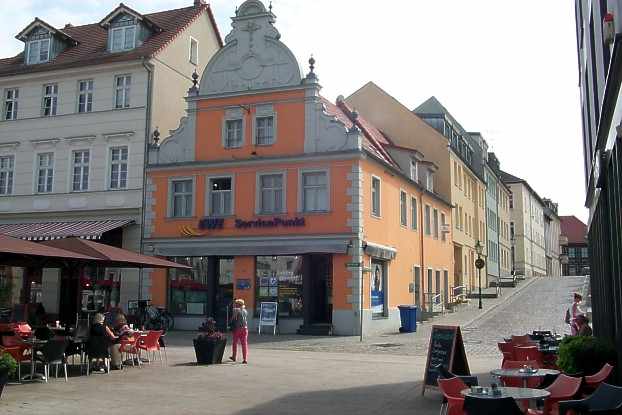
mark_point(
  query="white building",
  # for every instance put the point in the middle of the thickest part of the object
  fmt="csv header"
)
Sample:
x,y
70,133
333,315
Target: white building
x,y
79,106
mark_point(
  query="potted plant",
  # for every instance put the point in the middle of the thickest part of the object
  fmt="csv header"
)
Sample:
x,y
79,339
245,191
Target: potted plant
x,y
8,366
585,354
209,345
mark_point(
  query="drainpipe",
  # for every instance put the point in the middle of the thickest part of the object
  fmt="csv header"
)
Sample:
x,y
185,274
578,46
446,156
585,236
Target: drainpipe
x,y
424,272
149,68
498,242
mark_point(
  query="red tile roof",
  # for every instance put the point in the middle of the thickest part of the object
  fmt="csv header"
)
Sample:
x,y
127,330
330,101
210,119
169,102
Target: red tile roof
x,y
92,38
573,229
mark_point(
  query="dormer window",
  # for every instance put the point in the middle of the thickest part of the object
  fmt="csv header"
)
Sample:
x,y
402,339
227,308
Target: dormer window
x,y
122,33
42,42
38,51
429,181
413,170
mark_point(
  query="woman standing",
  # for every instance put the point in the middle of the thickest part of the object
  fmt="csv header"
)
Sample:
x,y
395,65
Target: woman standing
x,y
575,310
239,323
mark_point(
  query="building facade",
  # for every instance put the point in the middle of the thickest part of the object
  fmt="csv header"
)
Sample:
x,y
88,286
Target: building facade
x,y
274,194
79,105
576,248
552,243
526,227
599,49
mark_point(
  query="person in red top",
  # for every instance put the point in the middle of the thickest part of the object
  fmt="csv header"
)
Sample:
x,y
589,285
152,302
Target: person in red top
x,y
239,322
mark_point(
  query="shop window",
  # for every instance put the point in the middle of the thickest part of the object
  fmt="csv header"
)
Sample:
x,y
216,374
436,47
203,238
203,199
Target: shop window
x,y
100,288
279,279
188,288
271,193
403,209
315,191
375,196
378,289
220,196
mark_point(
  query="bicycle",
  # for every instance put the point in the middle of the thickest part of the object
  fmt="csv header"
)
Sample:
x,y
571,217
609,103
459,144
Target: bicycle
x,y
154,318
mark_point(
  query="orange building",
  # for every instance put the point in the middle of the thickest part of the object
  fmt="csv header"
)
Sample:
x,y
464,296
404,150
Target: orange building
x,y
274,194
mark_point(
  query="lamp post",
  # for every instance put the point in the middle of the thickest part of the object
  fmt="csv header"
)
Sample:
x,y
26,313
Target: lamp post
x,y
479,264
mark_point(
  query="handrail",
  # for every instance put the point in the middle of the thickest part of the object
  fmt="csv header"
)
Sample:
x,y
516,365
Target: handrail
x,y
460,288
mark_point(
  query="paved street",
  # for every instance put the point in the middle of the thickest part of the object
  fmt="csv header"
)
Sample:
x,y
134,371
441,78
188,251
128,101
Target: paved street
x,y
303,375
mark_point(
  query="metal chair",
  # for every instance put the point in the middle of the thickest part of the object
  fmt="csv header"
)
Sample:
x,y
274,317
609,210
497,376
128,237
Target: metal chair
x,y
605,400
52,353
97,348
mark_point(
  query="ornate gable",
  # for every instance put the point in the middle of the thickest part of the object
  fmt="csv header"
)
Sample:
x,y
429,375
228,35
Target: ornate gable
x,y
253,56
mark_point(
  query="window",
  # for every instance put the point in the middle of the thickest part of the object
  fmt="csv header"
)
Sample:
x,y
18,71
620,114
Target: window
x,y
413,170
403,209
38,51
428,225
194,51
123,84
512,230
443,226
118,167
181,198
375,196
457,217
429,181
50,100
279,279
233,133
264,131
7,164
584,252
188,288
314,191
413,213
271,195
80,161
85,95
461,221
456,177
123,38
10,103
221,196
45,172
435,223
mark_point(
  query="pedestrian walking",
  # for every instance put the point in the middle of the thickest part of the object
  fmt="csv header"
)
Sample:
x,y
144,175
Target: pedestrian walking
x,y
239,323
573,312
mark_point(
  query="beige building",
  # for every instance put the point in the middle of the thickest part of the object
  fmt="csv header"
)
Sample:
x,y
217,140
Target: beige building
x,y
444,143
499,195
526,227
79,105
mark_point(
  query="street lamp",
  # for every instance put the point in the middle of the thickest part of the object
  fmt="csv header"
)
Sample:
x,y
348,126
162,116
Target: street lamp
x,y
479,264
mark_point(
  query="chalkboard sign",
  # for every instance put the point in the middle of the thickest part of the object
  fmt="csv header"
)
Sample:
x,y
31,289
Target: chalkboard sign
x,y
267,315
447,349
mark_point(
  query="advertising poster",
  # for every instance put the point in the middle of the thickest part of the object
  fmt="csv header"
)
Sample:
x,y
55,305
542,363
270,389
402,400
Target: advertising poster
x,y
377,289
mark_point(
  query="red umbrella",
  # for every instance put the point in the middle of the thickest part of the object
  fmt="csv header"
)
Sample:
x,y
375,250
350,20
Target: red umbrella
x,y
17,252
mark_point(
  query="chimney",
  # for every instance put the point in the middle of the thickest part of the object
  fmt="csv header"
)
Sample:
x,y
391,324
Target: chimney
x,y
199,3
67,26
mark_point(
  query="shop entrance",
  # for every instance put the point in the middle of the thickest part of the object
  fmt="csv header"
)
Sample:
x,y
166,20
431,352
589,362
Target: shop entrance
x,y
222,293
317,294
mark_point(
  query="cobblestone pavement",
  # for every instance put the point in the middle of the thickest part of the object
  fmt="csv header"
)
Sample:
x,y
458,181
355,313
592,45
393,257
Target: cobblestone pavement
x,y
536,303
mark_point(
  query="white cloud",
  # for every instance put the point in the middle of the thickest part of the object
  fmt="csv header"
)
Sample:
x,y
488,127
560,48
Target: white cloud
x,y
507,69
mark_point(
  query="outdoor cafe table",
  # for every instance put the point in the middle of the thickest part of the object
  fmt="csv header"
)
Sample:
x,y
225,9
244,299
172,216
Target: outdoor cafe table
x,y
518,394
525,376
34,345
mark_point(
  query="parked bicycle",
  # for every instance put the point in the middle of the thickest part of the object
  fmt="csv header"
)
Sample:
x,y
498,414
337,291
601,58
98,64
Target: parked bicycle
x,y
154,318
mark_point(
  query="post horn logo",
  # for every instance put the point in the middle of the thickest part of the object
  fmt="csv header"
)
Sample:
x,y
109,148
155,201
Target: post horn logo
x,y
205,225
191,231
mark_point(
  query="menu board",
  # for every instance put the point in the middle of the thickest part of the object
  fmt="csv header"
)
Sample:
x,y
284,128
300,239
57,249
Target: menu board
x,y
447,349
268,315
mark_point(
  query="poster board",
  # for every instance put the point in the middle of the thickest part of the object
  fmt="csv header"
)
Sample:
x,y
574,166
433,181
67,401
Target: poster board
x,y
268,312
446,348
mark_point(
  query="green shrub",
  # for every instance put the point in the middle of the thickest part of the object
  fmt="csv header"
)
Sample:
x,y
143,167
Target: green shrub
x,y
7,363
585,354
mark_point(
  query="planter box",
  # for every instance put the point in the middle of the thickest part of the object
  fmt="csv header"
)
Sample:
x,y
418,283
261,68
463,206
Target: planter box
x,y
209,351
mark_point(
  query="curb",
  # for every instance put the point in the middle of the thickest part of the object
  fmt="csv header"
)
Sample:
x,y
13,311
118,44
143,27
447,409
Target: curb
x,y
519,289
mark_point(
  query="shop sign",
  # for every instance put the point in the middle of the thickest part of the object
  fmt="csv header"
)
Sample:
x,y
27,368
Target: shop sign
x,y
354,264
208,224
243,284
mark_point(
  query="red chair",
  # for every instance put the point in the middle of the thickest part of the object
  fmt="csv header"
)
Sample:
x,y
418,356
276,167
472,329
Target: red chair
x,y
520,340
517,382
129,346
450,389
151,343
592,382
507,349
20,351
530,353
564,388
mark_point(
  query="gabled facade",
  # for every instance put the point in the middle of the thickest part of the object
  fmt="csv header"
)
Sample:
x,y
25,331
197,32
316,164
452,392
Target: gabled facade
x,y
498,219
576,249
77,112
274,194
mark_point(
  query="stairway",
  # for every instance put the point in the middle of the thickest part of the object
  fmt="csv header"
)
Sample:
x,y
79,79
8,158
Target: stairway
x,y
316,329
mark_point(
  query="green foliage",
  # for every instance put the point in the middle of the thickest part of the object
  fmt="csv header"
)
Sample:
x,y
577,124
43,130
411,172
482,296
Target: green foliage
x,y
585,354
7,364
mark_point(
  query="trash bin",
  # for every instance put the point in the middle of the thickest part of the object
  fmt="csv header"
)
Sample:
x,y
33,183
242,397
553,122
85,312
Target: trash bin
x,y
408,317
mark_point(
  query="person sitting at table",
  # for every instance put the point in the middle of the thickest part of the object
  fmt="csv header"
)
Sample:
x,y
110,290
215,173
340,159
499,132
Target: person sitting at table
x,y
98,329
121,327
583,326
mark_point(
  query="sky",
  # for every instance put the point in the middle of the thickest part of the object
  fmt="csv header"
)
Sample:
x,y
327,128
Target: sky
x,y
506,69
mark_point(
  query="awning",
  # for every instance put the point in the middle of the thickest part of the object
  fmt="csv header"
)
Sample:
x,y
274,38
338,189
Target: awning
x,y
380,251
43,231
16,252
113,257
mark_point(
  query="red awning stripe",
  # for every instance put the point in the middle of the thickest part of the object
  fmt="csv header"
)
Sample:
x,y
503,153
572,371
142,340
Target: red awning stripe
x,y
43,231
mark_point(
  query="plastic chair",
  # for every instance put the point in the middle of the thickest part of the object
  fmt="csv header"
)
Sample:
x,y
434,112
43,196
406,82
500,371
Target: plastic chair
x,y
530,353
129,346
150,343
52,353
97,348
487,406
507,349
606,399
592,382
454,401
520,340
518,382
443,373
564,387
163,346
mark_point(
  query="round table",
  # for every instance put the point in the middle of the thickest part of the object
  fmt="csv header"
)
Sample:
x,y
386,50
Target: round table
x,y
519,394
34,345
525,376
